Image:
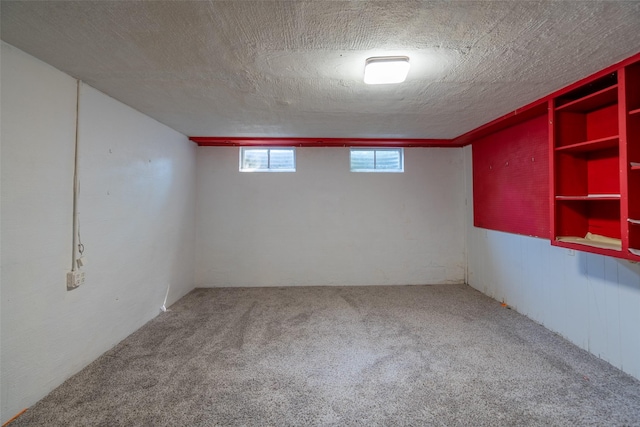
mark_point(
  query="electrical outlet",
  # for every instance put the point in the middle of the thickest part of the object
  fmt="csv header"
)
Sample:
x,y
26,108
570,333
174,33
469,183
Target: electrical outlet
x,y
75,279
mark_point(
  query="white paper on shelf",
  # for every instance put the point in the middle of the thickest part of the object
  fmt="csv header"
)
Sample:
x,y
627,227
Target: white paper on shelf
x,y
603,195
633,221
634,251
635,164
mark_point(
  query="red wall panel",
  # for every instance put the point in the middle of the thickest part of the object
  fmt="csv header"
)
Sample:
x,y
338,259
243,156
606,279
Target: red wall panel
x,y
511,179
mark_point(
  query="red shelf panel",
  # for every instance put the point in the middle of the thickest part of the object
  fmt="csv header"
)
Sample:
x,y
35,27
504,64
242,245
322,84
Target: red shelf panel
x,y
591,197
593,101
596,144
634,238
587,248
593,130
511,179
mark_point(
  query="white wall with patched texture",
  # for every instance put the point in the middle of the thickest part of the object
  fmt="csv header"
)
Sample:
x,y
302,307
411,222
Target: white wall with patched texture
x,y
136,211
324,225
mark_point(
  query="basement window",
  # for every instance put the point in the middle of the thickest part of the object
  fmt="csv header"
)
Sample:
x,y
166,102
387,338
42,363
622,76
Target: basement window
x,y
277,159
377,160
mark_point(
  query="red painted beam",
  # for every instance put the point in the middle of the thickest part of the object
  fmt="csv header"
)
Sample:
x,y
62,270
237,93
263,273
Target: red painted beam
x,y
215,141
529,111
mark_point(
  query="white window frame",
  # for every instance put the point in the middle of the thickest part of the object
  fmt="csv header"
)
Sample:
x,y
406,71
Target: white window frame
x,y
268,169
375,150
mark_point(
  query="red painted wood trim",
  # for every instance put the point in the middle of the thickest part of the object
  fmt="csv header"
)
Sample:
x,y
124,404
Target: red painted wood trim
x,y
595,76
607,142
536,107
552,169
587,248
529,111
589,198
623,254
215,141
623,158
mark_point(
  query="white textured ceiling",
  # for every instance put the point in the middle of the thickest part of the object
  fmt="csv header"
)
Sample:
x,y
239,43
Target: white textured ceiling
x,y
294,68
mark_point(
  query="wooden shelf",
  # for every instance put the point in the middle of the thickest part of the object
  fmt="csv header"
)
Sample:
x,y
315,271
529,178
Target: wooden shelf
x,y
613,244
591,197
601,98
586,137
596,144
594,138
615,253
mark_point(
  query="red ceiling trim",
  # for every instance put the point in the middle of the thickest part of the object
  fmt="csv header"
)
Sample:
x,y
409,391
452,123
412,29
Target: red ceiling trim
x,y
536,108
520,115
529,111
215,141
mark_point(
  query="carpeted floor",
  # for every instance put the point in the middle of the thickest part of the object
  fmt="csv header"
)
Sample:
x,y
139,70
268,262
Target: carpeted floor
x,y
351,356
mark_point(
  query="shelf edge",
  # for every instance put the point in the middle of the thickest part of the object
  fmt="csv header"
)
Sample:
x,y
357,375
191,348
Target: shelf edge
x,y
578,145
591,197
586,98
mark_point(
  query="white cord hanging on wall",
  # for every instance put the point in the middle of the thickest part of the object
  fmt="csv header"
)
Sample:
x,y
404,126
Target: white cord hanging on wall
x,y
76,276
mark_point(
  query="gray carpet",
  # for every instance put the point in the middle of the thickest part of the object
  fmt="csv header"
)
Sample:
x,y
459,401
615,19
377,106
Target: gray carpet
x,y
396,356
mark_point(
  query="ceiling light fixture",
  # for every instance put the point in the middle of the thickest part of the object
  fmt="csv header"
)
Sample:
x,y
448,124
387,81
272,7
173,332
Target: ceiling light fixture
x,y
386,69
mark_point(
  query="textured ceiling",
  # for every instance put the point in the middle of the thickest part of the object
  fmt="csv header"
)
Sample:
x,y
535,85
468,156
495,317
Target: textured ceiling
x,y
294,68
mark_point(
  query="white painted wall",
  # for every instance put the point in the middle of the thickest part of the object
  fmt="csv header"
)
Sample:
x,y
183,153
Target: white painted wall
x,y
136,216
324,225
592,300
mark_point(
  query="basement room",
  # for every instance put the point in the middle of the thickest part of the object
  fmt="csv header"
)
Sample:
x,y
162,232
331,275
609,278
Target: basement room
x,y
319,213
